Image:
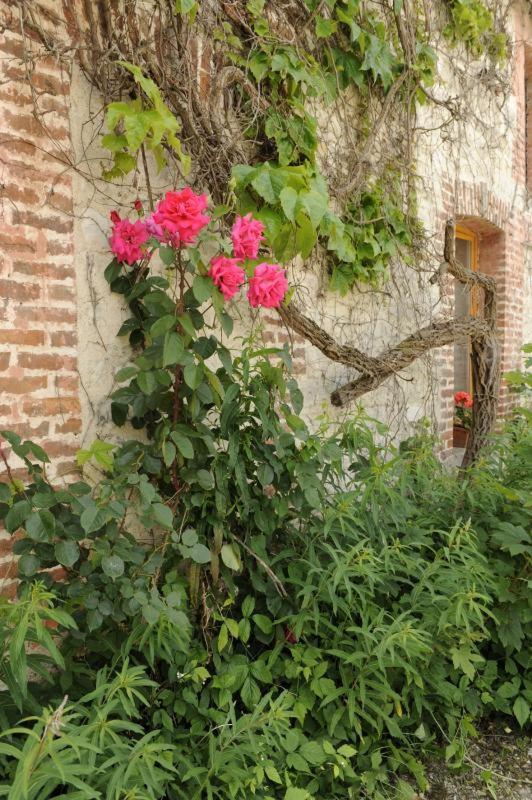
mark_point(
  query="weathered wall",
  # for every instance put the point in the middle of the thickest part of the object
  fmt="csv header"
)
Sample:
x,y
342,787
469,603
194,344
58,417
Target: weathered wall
x,y
58,322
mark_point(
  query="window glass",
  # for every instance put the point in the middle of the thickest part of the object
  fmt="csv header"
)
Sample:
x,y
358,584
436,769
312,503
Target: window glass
x,y
462,308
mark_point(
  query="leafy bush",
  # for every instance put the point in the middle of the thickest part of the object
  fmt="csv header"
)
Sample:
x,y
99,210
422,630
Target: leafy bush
x,y
249,607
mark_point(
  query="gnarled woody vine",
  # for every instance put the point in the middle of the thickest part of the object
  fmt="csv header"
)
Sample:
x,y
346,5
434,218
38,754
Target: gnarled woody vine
x,y
480,330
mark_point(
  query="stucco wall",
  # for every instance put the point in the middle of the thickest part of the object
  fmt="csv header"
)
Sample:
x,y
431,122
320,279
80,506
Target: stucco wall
x,y
473,168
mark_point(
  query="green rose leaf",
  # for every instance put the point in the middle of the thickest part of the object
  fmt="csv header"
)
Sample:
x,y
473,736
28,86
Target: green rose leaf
x,y
163,515
28,565
67,553
205,479
113,566
40,526
184,445
16,515
193,375
200,554
172,349
202,288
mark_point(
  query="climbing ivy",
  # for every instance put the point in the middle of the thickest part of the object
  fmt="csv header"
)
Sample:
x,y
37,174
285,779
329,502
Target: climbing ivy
x,y
472,22
344,46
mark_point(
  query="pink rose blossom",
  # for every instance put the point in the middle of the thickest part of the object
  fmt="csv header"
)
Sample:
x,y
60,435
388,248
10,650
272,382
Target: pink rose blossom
x,y
268,286
127,239
247,236
155,230
180,216
226,275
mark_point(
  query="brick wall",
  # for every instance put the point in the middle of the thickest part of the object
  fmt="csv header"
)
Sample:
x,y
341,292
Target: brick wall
x,y
38,342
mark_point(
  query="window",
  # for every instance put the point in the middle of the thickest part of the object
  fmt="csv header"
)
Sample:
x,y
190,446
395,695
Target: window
x,y
465,303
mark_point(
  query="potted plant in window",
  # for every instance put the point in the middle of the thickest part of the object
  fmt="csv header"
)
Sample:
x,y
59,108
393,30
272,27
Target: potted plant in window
x,y
463,403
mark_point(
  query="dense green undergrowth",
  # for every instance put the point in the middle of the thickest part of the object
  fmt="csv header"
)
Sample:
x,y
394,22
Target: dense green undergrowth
x,y
345,639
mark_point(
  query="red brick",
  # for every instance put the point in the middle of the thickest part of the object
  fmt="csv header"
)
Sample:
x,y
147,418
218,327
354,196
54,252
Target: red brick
x,y
43,269
72,425
66,383
21,337
64,339
47,222
59,248
45,361
52,406
61,293
4,361
13,290
23,385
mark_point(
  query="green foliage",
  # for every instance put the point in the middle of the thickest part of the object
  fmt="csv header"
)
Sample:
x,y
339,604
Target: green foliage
x,y
347,633
354,49
146,121
472,23
520,382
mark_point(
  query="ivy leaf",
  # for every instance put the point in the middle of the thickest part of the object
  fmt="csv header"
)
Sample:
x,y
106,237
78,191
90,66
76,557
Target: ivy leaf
x,y
125,374
289,198
150,614
306,235
269,183
325,27
67,553
316,204
113,566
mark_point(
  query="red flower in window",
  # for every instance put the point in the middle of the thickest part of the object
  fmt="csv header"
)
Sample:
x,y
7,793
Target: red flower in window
x,y
463,399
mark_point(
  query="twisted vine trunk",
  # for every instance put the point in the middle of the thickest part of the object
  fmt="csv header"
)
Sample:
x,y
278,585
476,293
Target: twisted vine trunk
x,y
479,330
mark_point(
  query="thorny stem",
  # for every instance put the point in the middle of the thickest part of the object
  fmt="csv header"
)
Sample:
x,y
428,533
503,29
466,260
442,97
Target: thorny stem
x,y
147,177
8,468
180,307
